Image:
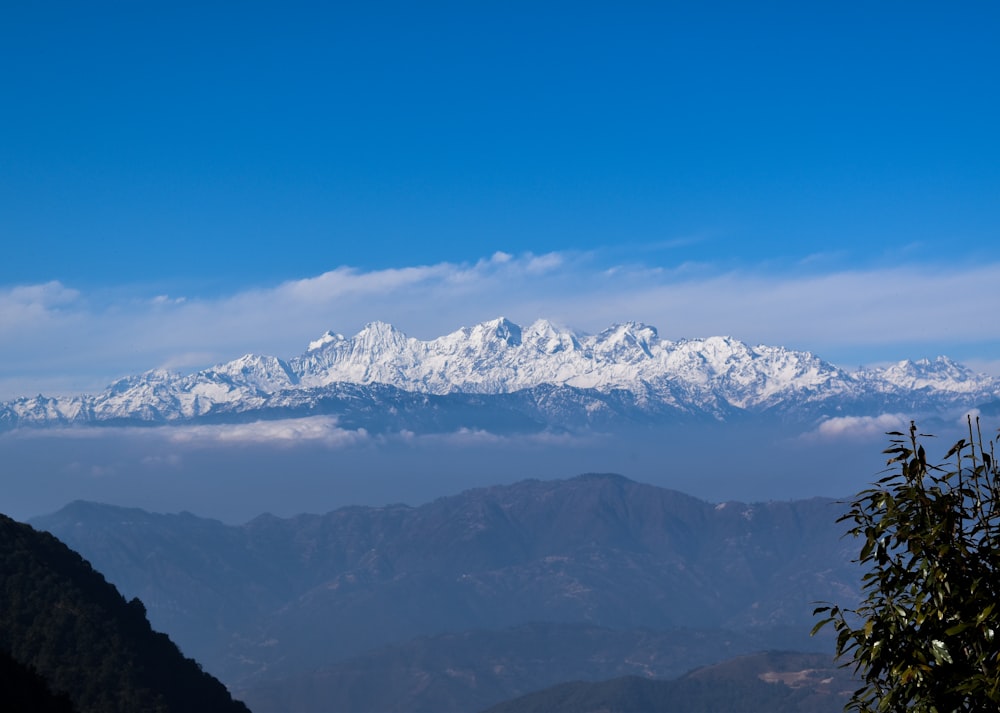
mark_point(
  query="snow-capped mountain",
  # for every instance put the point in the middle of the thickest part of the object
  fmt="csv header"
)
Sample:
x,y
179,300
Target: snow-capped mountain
x,y
538,377
501,357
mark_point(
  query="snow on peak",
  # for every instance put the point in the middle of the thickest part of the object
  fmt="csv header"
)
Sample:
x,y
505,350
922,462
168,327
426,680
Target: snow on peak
x,y
548,338
634,332
264,373
500,329
378,327
714,375
379,335
628,340
498,356
543,327
941,374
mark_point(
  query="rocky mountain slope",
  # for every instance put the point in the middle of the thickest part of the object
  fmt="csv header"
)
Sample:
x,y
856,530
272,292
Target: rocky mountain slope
x,y
500,375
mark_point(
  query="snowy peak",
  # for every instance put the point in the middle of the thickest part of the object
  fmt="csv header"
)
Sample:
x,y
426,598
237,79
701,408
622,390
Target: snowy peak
x,y
557,377
499,332
501,329
265,373
372,355
940,374
499,356
378,337
549,339
629,341
717,373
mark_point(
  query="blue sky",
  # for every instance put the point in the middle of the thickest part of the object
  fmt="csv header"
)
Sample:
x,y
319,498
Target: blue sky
x,y
181,183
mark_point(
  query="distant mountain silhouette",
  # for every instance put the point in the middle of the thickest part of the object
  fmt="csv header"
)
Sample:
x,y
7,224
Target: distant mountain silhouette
x,y
276,598
61,619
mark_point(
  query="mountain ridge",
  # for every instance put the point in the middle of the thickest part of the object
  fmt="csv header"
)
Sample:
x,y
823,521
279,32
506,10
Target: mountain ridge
x,y
275,595
543,376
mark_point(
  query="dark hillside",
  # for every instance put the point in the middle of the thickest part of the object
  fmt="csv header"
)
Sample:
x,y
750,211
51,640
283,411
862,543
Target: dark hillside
x,y
61,618
22,689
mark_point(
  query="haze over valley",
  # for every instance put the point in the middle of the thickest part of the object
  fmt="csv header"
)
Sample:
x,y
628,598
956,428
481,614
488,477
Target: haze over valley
x,y
381,417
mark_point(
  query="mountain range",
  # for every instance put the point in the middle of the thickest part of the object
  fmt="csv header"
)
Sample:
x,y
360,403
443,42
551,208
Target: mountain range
x,y
499,376
282,609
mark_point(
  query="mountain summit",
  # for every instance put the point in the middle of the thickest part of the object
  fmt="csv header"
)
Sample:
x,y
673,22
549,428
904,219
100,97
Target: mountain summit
x,y
539,377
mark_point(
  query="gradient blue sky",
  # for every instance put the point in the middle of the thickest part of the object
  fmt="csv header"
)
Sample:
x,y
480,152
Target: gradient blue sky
x,y
181,183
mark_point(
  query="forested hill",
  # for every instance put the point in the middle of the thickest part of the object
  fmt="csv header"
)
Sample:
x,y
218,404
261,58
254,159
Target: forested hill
x,y
24,690
278,597
61,618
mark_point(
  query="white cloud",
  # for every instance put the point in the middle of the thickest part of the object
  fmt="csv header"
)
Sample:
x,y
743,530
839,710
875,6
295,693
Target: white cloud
x,y
313,430
168,300
54,339
544,263
854,427
316,429
323,430
46,294
972,414
320,430
348,282
33,304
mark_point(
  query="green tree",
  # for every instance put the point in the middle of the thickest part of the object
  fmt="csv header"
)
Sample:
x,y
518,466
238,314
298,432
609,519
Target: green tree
x,y
924,638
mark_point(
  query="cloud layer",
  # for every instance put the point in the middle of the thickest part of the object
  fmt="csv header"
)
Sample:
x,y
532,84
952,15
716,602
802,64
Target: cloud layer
x,y
237,471
55,338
